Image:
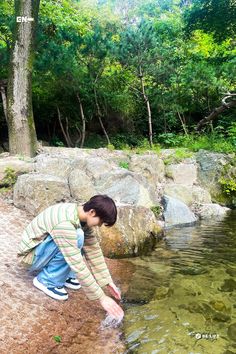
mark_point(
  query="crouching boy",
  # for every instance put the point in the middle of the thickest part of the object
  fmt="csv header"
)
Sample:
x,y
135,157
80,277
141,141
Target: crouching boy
x,y
56,244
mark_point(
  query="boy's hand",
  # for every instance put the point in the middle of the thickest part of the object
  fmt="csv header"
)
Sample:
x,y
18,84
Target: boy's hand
x,y
111,307
114,291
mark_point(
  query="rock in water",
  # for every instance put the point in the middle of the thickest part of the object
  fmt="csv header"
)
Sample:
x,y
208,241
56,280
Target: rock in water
x,y
177,213
111,322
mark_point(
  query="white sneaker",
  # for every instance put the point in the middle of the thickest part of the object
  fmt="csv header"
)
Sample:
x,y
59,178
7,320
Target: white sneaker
x,y
58,293
72,283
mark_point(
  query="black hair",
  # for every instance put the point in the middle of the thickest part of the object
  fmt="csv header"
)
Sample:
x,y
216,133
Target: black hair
x,y
104,207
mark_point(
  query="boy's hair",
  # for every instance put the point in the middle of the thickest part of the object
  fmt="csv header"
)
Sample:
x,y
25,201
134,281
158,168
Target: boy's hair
x,y
104,207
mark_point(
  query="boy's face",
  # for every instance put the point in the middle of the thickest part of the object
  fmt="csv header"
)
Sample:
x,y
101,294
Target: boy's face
x,y
92,219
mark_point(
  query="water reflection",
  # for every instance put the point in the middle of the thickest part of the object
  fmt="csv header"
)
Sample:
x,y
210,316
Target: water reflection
x,y
189,285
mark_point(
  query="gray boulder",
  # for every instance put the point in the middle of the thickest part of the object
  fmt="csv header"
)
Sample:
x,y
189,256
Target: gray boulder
x,y
176,212
188,194
125,187
182,173
211,169
150,166
53,165
209,211
35,192
81,186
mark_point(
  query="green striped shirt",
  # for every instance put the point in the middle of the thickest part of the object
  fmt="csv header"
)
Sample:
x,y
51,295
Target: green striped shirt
x,y
61,221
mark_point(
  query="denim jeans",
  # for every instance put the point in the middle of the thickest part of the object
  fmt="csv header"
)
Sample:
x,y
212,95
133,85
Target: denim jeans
x,y
50,262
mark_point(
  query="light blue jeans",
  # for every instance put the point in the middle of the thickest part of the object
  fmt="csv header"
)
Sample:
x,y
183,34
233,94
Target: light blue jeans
x,y
50,262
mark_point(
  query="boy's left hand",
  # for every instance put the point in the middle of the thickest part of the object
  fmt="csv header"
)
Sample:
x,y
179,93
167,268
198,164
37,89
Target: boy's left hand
x,y
114,291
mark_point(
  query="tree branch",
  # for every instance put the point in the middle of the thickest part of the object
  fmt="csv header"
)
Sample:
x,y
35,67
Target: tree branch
x,y
218,110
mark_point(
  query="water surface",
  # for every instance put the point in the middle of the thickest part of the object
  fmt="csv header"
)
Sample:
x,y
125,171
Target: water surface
x,y
182,297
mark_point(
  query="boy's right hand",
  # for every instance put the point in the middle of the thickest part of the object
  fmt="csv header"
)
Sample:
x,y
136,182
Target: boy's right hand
x,y
111,307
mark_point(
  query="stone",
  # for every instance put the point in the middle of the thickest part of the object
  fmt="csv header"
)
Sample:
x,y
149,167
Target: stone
x,y
162,292
210,169
182,173
81,186
19,165
53,165
232,331
96,167
207,211
229,285
187,194
35,192
135,232
177,213
150,166
126,187
194,270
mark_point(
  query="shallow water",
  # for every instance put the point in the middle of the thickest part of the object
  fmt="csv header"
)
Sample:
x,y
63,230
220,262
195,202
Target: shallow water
x,y
182,298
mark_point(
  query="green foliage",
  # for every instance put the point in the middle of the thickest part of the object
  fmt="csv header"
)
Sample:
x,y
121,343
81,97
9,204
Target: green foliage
x,y
156,210
110,147
83,46
232,134
10,177
213,16
57,339
228,186
57,142
124,164
170,139
177,156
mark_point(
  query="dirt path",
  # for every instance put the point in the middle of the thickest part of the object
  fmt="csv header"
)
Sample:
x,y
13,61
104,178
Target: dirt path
x,y
30,320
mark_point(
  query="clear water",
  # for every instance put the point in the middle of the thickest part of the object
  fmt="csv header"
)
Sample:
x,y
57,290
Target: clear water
x,y
182,297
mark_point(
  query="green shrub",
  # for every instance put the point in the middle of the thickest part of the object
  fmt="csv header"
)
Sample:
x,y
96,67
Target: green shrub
x,y
228,186
10,177
178,155
156,210
124,164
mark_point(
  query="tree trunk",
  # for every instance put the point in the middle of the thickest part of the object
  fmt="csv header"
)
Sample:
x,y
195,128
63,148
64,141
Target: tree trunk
x,y
21,128
182,120
218,110
100,116
148,106
4,98
83,121
64,132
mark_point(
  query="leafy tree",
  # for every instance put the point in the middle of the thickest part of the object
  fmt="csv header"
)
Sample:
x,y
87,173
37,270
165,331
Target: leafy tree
x,y
216,16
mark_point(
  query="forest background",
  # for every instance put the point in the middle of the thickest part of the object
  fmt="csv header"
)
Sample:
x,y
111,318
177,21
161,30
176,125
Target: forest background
x,y
130,74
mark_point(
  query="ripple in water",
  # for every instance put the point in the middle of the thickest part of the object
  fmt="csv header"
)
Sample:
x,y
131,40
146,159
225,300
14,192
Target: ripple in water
x,y
189,281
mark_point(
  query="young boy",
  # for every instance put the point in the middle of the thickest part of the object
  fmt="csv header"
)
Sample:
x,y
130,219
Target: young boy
x,y
55,242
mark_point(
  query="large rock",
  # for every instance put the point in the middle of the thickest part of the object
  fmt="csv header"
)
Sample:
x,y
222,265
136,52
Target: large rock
x,y
19,165
126,187
211,170
53,165
177,213
96,167
182,173
209,211
81,186
148,165
35,192
135,232
188,194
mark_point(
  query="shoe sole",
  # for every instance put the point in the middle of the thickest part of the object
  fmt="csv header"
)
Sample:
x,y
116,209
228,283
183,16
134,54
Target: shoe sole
x,y
43,288
73,287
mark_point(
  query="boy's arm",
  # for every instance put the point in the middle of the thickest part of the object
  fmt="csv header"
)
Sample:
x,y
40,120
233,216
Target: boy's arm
x,y
64,235
95,258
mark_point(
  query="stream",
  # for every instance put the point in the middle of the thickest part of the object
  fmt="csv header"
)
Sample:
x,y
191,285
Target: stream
x,y
182,296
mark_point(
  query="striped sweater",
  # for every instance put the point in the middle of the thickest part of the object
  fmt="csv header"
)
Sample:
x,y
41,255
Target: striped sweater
x,y
61,221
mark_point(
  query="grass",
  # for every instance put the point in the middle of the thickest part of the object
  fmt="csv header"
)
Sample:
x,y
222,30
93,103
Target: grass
x,y
215,142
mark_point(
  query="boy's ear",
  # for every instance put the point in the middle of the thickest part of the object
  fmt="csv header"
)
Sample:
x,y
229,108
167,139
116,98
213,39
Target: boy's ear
x,y
92,212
